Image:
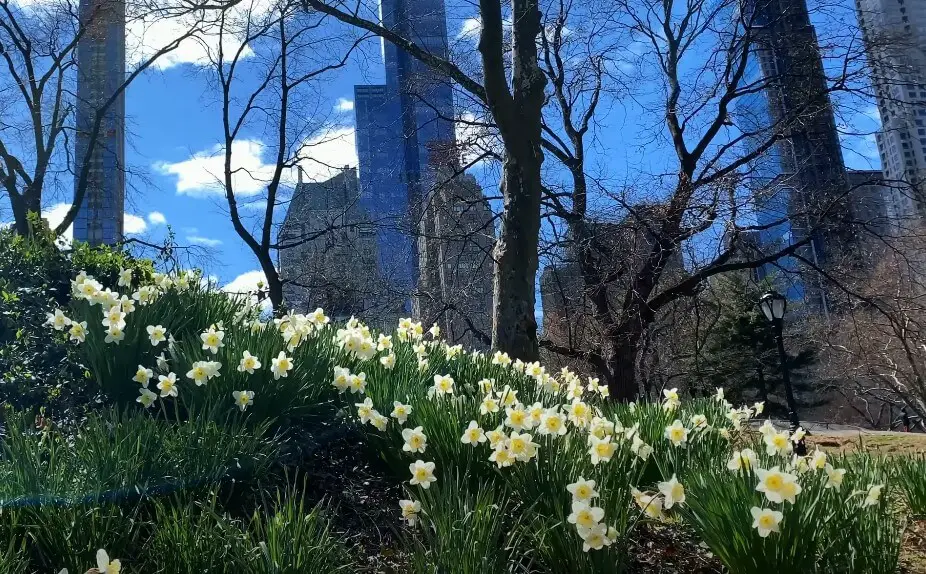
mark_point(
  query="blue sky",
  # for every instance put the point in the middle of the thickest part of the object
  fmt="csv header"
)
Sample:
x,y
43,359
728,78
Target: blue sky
x,y
174,127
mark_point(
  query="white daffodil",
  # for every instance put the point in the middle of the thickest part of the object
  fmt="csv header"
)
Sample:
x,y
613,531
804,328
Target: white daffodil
x,y
501,457
114,318
248,363
486,386
379,421
341,379
243,399
400,412
650,505
521,447
698,422
473,434
281,366
673,492
670,399
156,334
552,423
126,304
434,330
767,428
410,510
78,331
168,385
582,490
719,396
496,438
143,375
759,407
146,397
677,433
198,373
58,320
114,335
873,495
601,450
388,361
422,473
212,339
834,476
778,443
365,410
489,405
415,440
125,278
500,358
818,459
765,520
597,537
357,383
778,486
517,418
585,516
443,385
106,566
579,413
743,460
162,363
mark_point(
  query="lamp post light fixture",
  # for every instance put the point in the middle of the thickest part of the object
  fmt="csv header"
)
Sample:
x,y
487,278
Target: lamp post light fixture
x,y
774,306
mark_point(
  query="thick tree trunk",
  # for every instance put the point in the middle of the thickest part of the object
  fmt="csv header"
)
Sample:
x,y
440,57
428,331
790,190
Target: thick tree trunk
x,y
22,204
514,326
274,284
622,363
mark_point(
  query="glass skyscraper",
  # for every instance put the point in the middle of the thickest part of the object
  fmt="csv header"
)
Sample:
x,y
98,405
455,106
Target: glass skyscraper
x,y
803,174
401,129
100,72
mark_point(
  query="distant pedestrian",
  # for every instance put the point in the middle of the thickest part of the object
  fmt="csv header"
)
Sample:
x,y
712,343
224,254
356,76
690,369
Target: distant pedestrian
x,y
905,418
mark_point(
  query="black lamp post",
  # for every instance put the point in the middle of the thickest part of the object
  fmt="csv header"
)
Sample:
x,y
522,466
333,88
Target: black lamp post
x,y
774,306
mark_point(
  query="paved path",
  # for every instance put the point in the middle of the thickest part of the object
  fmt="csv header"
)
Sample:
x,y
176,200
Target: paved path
x,y
830,429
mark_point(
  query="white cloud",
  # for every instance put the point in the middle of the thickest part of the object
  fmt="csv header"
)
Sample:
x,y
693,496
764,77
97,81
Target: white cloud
x,y
246,284
54,214
344,105
327,154
474,138
204,241
133,224
157,218
201,175
471,28
146,35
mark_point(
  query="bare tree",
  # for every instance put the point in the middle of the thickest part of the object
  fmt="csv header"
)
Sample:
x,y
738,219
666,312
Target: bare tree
x,y
626,253
516,107
290,55
39,45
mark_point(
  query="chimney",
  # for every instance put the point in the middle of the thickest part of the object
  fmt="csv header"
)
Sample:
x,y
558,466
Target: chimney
x,y
299,168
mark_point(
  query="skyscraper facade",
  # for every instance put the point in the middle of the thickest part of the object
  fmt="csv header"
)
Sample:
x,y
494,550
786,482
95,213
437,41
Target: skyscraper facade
x,y
100,73
383,185
894,32
433,223
803,175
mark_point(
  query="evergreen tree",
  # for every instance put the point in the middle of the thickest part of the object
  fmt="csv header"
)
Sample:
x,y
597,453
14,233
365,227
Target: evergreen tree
x,y
740,351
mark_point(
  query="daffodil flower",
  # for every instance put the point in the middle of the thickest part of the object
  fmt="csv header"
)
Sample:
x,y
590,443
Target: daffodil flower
x,y
243,399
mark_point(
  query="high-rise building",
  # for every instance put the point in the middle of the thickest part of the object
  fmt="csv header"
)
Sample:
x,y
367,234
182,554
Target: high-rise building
x,y
894,32
100,73
410,178
328,251
803,175
455,241
383,186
